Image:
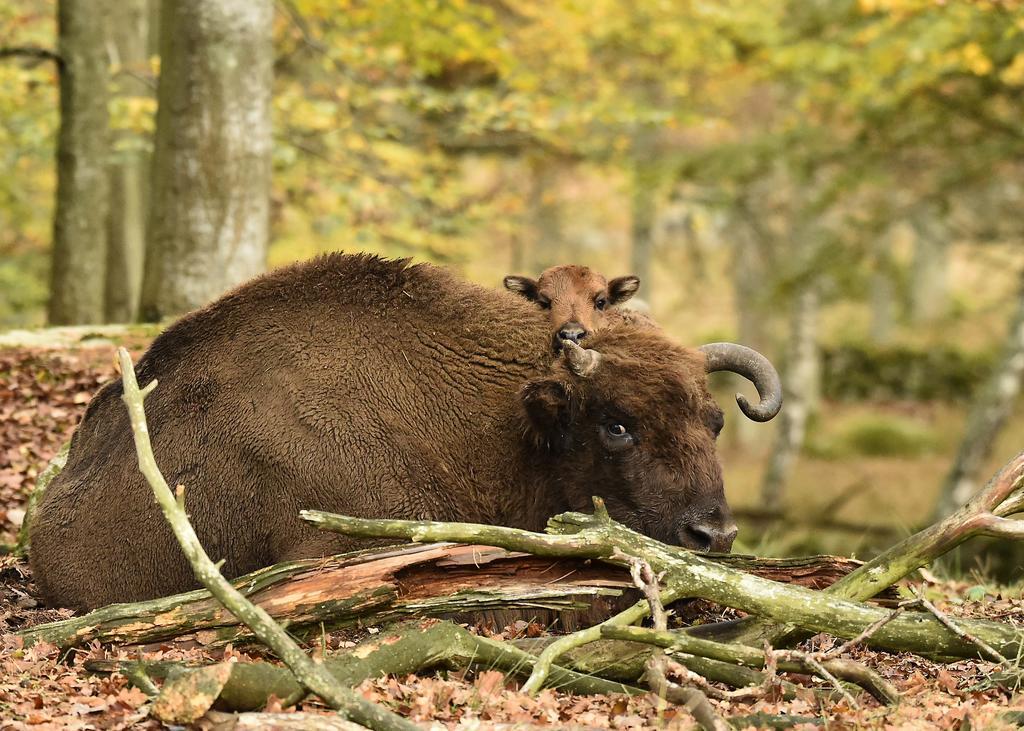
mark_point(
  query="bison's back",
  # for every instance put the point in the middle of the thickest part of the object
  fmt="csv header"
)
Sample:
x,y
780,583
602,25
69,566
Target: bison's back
x,y
348,383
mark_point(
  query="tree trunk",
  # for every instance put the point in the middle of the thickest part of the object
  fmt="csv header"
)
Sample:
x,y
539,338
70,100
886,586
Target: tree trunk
x,y
79,227
128,34
209,215
644,210
988,414
930,268
882,293
547,246
800,386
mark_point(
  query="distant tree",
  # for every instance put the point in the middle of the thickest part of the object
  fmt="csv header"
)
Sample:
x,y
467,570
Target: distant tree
x,y
209,213
78,258
988,414
128,41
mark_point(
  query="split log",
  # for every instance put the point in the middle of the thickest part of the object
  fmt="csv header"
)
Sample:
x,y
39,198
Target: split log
x,y
599,537
384,584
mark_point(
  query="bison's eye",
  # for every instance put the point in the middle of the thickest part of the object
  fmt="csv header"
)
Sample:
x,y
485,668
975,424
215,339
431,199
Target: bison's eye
x,y
615,436
544,302
600,303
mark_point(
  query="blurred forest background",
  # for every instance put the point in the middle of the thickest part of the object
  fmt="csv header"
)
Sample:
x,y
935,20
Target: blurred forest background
x,y
837,183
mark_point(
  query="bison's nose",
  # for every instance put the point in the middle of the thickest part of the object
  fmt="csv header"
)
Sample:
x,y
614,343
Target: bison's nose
x,y
703,537
572,331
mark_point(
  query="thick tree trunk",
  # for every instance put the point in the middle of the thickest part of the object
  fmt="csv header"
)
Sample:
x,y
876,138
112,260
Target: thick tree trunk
x,y
800,385
209,215
991,407
128,34
78,258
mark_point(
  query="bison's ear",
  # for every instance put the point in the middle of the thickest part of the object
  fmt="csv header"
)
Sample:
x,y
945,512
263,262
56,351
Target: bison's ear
x,y
522,285
621,289
548,409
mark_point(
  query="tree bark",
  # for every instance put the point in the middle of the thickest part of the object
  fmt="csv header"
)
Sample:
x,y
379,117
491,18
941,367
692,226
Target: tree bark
x,y
385,584
800,387
408,648
988,414
598,537
209,215
78,258
128,34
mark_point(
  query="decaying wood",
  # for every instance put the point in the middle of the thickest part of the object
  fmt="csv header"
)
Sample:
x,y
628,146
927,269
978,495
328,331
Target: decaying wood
x,y
409,648
598,537
311,675
477,583
986,514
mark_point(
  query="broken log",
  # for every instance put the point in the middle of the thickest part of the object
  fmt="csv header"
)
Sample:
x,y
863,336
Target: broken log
x,y
384,584
599,537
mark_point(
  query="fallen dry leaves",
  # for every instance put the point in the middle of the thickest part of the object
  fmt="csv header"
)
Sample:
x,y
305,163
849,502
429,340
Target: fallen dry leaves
x,y
43,395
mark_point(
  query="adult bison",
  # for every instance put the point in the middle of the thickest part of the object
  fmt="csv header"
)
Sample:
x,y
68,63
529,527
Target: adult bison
x,y
375,388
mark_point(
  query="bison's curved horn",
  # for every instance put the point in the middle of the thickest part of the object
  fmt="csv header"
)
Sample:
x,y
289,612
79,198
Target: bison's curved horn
x,y
582,361
753,366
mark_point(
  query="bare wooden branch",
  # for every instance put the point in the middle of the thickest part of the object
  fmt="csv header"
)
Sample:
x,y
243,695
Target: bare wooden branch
x,y
310,674
986,649
34,53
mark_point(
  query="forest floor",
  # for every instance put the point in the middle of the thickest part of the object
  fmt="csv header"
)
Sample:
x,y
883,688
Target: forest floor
x,y
43,394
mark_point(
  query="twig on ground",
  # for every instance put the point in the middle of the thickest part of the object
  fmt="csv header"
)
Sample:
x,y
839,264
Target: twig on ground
x,y
819,670
863,636
694,699
310,674
986,649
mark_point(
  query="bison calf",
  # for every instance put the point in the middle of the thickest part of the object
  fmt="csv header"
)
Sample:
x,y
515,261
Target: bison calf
x,y
576,298
378,389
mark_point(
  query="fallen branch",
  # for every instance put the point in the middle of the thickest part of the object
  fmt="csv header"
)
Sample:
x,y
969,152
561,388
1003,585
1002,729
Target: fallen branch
x,y
597,537
310,674
391,583
406,649
786,661
953,627
985,514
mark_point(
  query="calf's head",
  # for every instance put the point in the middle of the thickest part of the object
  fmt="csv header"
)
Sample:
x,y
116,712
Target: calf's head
x,y
632,420
576,297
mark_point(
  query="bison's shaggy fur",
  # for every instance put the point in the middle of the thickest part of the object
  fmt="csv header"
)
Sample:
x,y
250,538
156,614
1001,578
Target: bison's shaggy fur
x,y
372,388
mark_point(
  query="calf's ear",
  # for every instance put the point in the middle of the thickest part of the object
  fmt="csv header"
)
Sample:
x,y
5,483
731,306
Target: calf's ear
x,y
621,289
523,286
548,409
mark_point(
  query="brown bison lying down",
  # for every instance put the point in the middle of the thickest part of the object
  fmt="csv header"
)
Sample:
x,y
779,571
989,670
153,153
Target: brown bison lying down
x,y
379,389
